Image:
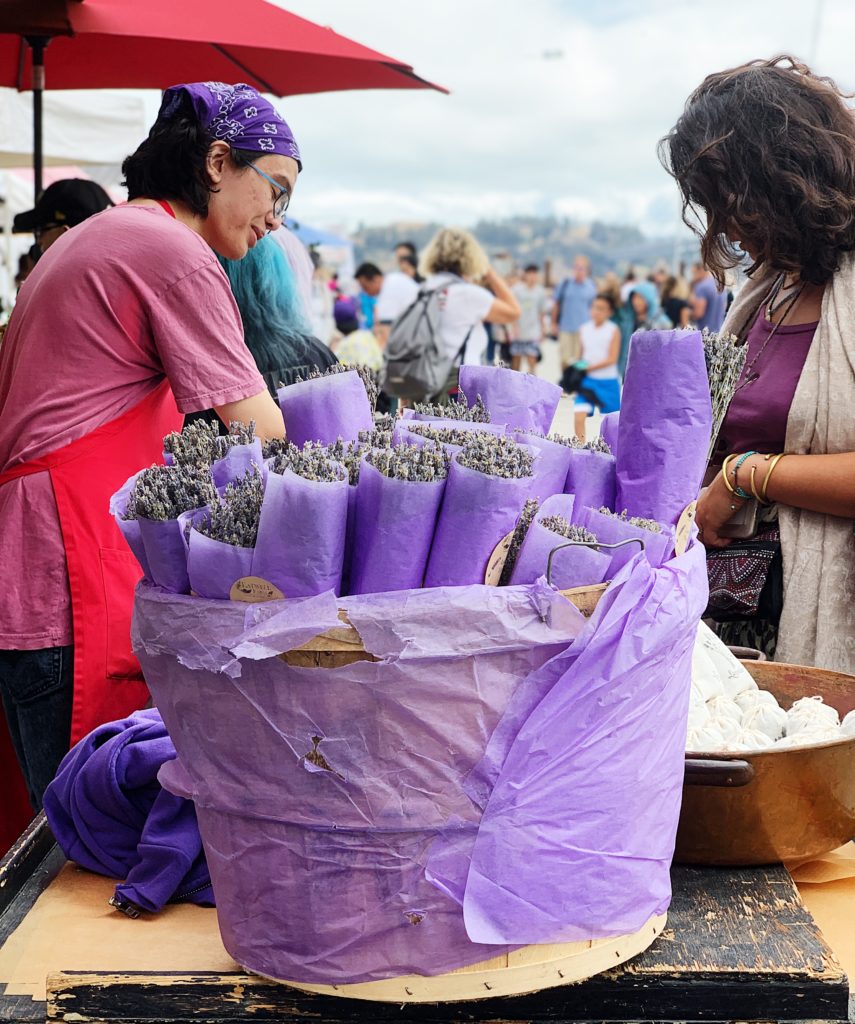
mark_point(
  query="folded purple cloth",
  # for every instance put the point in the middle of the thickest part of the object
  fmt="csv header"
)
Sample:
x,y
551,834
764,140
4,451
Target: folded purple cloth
x,y
109,814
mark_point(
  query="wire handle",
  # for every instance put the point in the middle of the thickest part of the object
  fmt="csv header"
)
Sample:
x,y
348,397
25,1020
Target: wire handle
x,y
587,544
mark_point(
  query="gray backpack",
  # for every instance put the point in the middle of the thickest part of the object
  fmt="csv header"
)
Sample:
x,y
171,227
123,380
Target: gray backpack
x,y
416,362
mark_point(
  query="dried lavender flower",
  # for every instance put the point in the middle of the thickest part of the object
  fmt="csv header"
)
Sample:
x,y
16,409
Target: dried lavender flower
x,y
349,455
441,435
164,492
526,518
239,433
310,462
460,410
275,446
234,518
725,361
407,462
599,444
380,436
194,445
496,455
368,377
642,524
559,525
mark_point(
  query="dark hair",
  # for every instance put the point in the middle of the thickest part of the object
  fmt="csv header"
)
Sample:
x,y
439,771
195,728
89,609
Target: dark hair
x,y
605,297
767,151
368,270
532,267
170,163
411,249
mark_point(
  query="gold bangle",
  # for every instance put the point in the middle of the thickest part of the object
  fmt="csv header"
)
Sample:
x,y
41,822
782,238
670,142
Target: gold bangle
x,y
769,472
753,487
725,466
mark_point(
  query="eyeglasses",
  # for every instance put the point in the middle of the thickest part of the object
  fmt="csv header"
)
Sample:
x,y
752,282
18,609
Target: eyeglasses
x,y
281,197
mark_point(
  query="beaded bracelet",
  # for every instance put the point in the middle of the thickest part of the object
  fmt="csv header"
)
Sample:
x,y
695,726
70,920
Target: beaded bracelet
x,y
740,492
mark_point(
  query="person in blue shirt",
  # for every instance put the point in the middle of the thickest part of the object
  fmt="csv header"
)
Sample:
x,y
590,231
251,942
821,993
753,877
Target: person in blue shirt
x,y
370,280
709,302
572,302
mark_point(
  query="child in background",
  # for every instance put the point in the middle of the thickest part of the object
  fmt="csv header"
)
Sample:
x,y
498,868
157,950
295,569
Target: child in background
x,y
530,329
600,385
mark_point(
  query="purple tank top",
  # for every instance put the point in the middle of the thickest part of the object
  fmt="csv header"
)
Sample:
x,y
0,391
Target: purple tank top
x,y
757,417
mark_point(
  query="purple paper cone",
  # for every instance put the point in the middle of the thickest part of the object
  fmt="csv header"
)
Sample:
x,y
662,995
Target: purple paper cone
x,y
325,409
395,521
237,462
165,553
214,566
571,566
552,465
665,424
609,430
477,512
518,399
300,545
130,528
658,547
194,516
591,477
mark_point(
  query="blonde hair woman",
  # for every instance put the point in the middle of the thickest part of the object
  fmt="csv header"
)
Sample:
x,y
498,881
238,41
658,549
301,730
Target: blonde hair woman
x,y
452,262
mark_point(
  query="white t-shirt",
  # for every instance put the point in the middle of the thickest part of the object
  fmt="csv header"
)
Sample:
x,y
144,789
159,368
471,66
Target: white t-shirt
x,y
596,342
462,312
397,294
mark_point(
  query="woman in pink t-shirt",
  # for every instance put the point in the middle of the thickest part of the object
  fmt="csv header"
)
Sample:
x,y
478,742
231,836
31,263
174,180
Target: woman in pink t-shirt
x,y
126,324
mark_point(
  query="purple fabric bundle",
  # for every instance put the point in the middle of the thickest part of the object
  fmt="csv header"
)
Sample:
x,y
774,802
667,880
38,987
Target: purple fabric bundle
x,y
110,815
301,533
371,748
165,553
477,512
591,478
518,399
325,409
665,425
213,566
609,430
571,566
552,466
658,547
395,522
237,462
130,528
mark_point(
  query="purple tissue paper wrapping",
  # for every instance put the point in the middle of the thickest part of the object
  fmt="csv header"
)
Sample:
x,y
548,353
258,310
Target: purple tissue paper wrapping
x,y
591,478
129,528
571,566
325,409
165,553
213,566
237,462
518,399
664,426
301,534
395,521
370,748
477,511
552,466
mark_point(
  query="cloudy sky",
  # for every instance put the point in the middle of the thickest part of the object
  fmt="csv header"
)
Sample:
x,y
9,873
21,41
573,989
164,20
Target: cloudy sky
x,y
555,105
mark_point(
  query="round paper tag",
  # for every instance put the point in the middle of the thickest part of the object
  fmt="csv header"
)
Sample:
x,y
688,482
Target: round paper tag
x,y
254,590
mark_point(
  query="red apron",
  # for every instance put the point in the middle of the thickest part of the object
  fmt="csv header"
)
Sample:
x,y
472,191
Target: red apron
x,y
102,573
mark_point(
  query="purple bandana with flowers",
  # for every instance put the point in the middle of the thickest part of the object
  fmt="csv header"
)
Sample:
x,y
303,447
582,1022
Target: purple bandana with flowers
x,y
237,114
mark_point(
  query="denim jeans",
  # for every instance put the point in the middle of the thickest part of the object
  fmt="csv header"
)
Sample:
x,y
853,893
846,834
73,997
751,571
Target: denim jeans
x,y
37,690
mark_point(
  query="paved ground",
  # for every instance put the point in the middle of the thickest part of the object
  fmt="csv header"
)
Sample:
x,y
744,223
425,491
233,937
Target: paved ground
x,y
550,368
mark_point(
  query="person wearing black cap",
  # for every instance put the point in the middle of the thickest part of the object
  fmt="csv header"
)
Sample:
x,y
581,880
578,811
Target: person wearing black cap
x,y
62,206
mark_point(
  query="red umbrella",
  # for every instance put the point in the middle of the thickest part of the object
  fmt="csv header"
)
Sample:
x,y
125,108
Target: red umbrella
x,y
98,44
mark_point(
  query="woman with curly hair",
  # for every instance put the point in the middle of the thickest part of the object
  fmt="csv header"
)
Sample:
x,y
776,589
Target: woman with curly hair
x,y
766,153
453,262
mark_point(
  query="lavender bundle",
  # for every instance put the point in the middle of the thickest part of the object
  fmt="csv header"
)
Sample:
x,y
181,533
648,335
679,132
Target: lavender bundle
x,y
489,481
515,398
366,375
441,435
572,566
380,436
459,410
612,528
193,445
328,406
220,545
157,498
526,518
301,530
725,361
591,474
397,502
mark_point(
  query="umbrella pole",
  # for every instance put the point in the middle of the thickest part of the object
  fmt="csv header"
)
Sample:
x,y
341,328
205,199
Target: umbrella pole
x,y
37,45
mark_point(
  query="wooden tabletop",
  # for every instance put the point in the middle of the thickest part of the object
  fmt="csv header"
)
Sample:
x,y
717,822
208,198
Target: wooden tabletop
x,y
739,945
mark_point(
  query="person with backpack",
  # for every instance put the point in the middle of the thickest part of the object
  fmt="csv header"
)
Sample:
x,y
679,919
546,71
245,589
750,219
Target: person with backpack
x,y
573,298
444,328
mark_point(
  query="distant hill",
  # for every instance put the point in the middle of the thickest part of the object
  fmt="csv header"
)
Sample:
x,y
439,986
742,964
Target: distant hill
x,y
521,240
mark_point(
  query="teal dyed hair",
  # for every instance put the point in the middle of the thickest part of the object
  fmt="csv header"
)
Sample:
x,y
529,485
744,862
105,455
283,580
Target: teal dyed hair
x,y
265,290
